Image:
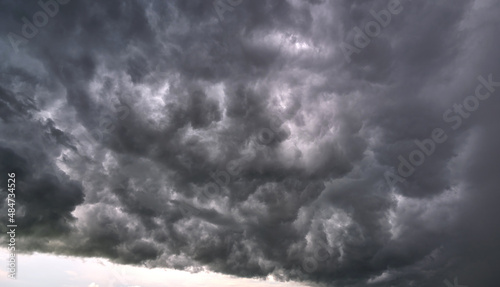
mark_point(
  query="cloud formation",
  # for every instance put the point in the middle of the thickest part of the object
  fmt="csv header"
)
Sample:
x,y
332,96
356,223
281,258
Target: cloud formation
x,y
162,133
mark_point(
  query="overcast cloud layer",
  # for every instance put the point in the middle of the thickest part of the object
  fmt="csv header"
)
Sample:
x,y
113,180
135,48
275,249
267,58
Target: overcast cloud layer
x,y
245,138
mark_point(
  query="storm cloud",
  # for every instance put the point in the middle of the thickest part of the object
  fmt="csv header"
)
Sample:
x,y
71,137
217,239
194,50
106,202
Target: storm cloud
x,y
257,138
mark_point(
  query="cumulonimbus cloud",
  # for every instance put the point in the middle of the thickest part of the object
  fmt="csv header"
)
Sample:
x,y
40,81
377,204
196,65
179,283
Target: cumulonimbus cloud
x,y
161,133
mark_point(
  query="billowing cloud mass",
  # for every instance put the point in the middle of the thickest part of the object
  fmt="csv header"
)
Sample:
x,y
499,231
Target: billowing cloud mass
x,y
342,143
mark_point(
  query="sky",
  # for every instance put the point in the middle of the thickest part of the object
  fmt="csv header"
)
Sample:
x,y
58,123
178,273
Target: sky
x,y
67,271
339,143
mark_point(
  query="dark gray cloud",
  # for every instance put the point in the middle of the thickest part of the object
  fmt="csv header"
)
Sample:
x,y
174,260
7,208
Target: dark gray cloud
x,y
240,137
